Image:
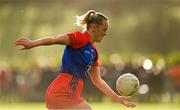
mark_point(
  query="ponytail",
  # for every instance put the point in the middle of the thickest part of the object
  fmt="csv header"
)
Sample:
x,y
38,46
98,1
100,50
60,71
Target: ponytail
x,y
88,18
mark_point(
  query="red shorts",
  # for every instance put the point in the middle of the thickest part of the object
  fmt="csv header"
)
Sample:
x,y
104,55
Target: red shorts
x,y
64,91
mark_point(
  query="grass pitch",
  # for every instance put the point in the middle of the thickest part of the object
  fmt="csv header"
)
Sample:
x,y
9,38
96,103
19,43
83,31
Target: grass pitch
x,y
96,106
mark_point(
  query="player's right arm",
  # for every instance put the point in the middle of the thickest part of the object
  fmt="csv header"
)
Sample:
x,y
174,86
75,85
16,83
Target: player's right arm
x,y
28,44
96,79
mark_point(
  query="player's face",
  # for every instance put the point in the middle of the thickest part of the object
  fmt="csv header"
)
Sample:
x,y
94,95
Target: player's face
x,y
100,31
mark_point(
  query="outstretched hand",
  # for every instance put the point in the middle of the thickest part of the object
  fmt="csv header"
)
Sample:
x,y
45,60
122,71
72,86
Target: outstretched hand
x,y
25,42
125,100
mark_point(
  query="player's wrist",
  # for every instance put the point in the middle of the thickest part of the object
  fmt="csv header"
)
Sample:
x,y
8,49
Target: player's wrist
x,y
116,97
32,44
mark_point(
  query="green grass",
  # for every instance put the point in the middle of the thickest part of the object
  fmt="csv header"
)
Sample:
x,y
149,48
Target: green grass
x,y
96,106
139,106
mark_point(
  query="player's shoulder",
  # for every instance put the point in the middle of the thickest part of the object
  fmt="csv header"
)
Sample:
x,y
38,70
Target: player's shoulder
x,y
78,33
79,39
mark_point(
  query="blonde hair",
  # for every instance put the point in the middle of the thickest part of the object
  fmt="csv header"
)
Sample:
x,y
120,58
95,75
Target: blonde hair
x,y
89,18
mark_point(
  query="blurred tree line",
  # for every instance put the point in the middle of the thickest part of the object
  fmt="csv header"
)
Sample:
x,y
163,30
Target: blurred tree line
x,y
136,26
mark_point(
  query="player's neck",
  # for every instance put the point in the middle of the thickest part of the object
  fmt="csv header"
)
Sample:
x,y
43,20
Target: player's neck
x,y
91,34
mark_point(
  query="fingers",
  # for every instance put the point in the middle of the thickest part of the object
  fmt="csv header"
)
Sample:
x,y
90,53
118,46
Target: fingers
x,y
129,104
133,105
128,98
125,101
21,41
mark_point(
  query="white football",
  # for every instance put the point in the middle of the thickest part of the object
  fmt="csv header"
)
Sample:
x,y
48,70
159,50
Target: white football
x,y
127,84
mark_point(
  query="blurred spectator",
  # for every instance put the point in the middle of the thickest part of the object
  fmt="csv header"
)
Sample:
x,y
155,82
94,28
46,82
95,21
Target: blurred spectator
x,y
174,73
5,81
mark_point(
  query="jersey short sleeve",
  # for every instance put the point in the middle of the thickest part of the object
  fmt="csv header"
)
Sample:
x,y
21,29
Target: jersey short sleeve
x,y
77,39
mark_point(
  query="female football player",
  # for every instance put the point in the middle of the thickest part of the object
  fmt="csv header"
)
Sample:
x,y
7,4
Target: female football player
x,y
80,61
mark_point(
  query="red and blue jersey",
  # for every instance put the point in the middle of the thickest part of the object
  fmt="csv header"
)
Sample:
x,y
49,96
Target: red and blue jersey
x,y
79,56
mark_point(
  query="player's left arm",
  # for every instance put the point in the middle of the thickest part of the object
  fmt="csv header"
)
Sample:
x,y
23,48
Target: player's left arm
x,y
96,79
28,43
